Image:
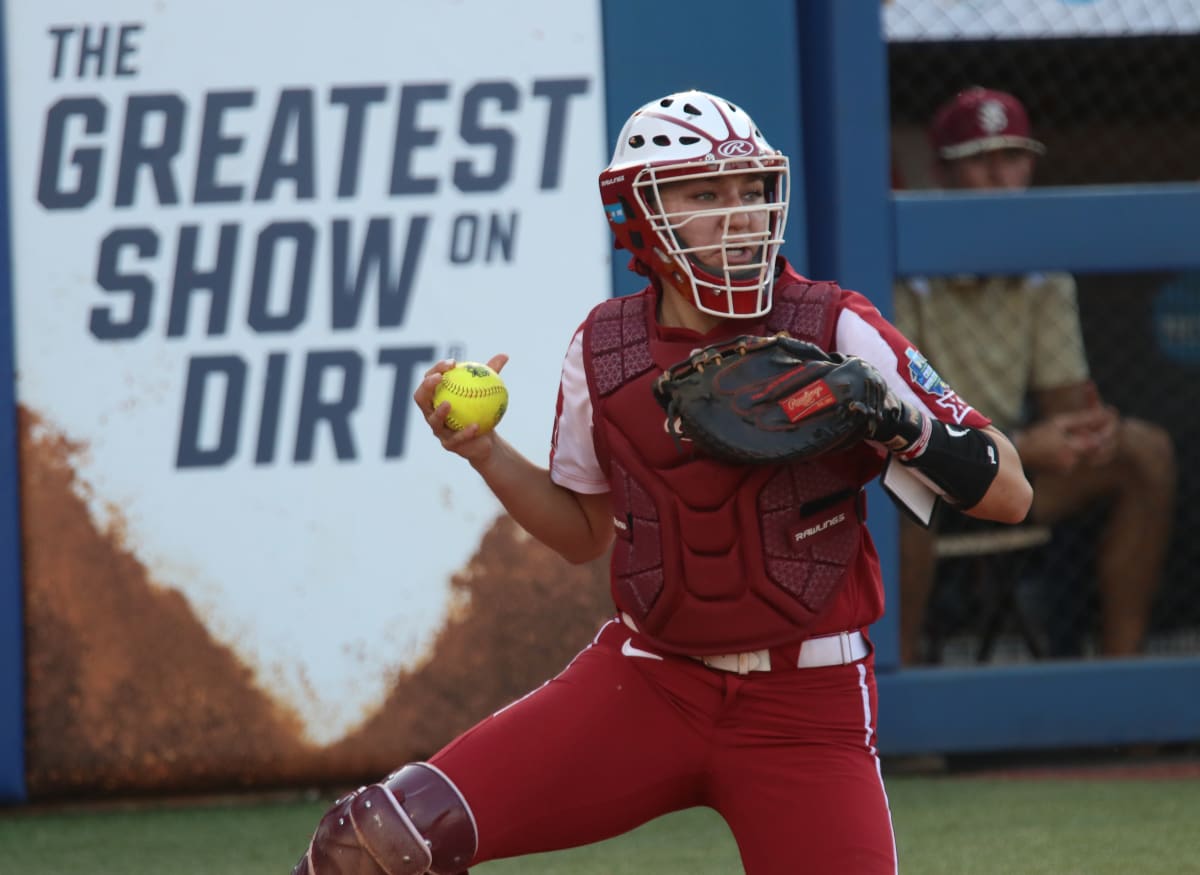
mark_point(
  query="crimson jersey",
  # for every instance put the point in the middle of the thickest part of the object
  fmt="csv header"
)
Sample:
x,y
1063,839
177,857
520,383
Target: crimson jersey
x,y
859,329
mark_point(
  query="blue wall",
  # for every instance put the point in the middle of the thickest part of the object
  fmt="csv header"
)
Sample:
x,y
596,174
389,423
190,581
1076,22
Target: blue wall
x,y
12,663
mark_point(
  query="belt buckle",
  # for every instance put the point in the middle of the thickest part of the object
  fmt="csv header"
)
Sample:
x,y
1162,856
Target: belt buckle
x,y
738,663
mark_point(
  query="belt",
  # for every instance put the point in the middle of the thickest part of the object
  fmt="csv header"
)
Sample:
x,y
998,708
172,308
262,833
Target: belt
x,y
841,648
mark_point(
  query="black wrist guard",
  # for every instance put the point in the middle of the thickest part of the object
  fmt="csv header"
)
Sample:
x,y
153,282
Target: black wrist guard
x,y
962,461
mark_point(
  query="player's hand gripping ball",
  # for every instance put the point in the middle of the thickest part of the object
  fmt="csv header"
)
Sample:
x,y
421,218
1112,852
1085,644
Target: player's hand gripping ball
x,y
476,395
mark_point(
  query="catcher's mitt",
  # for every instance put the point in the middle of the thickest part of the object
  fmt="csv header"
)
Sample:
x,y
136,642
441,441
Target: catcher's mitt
x,y
766,400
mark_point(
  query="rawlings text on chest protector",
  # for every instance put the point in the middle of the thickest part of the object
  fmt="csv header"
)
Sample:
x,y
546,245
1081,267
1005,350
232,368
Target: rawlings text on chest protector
x,y
712,557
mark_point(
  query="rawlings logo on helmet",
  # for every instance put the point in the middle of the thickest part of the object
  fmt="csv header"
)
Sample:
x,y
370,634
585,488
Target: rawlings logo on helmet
x,y
736,149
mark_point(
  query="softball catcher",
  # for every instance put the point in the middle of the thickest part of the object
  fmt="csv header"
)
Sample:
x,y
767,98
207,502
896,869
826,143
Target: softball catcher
x,y
714,432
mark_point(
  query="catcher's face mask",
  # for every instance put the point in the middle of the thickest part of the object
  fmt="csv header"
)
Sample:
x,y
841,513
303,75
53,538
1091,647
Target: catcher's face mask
x,y
697,194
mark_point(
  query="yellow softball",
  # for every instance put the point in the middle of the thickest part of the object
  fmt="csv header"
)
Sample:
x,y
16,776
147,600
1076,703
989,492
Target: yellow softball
x,y
476,395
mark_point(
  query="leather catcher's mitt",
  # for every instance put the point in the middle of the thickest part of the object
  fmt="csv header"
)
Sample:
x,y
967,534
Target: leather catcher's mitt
x,y
767,400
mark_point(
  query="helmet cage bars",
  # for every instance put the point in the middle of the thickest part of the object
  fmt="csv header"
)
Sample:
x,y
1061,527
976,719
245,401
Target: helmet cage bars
x,y
687,136
741,289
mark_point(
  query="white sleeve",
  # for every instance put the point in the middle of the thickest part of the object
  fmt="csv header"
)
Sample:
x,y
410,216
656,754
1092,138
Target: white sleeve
x,y
858,336
872,339
861,331
572,452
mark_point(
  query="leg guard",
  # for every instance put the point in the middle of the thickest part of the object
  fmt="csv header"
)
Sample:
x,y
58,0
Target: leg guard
x,y
413,823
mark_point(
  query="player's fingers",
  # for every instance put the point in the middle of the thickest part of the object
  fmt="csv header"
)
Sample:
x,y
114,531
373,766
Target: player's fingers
x,y
1072,421
423,394
1107,440
497,362
436,417
459,441
1079,443
440,367
1091,418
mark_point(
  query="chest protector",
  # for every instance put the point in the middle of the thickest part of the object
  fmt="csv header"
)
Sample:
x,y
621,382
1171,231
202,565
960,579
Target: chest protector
x,y
712,557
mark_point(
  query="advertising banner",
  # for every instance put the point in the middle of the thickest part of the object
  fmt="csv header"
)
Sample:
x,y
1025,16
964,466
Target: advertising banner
x,y
241,233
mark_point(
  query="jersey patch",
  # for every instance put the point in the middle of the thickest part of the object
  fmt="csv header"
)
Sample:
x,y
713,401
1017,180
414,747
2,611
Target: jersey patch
x,y
922,374
954,405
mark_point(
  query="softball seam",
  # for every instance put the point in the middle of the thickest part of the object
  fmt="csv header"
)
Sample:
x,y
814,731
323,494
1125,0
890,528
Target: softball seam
x,y
464,392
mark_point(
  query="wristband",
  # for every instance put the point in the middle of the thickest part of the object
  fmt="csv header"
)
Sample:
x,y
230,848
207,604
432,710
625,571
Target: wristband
x,y
904,430
917,446
963,462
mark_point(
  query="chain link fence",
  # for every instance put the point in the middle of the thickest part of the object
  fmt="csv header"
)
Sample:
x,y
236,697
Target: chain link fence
x,y
1112,88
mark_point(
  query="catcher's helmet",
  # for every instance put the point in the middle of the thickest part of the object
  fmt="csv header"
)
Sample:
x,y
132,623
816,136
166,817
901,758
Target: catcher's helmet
x,y
683,137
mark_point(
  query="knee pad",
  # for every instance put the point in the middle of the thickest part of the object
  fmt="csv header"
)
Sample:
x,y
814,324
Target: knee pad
x,y
413,823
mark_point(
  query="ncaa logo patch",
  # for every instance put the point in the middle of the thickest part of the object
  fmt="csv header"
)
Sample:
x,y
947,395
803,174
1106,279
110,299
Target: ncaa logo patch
x,y
921,372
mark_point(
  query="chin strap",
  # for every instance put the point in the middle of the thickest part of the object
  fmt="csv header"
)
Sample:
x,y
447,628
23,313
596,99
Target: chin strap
x,y
639,267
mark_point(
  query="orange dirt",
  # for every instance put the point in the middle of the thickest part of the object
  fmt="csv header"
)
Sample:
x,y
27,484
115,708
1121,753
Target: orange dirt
x,y
128,692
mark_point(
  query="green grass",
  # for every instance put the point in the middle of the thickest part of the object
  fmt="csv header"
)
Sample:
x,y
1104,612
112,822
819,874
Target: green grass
x,y
1072,827
965,826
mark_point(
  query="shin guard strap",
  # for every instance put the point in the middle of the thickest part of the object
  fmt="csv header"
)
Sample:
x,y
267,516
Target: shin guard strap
x,y
439,813
388,834
366,833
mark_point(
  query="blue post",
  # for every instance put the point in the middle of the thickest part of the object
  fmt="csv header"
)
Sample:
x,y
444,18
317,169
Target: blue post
x,y
12,655
843,63
767,85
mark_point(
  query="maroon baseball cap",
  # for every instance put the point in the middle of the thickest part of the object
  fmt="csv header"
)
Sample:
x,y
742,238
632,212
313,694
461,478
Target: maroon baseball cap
x,y
981,120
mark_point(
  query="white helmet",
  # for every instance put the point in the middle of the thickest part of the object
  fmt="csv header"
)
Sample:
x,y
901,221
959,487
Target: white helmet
x,y
682,137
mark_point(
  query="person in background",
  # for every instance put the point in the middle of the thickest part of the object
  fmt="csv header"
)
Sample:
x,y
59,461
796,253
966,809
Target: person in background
x,y
735,671
1014,346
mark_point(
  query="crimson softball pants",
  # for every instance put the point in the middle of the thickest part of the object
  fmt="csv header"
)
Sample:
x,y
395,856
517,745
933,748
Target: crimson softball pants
x,y
619,738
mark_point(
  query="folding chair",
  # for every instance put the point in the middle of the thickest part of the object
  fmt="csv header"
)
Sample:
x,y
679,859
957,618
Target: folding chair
x,y
995,558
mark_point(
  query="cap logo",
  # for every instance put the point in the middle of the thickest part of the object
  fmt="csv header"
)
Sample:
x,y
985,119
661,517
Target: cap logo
x,y
735,149
992,117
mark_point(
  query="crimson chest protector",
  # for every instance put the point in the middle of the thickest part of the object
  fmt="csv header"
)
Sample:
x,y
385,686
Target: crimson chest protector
x,y
712,557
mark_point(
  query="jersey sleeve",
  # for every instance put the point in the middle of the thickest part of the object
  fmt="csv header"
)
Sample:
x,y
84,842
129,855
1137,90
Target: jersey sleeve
x,y
573,463
862,331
